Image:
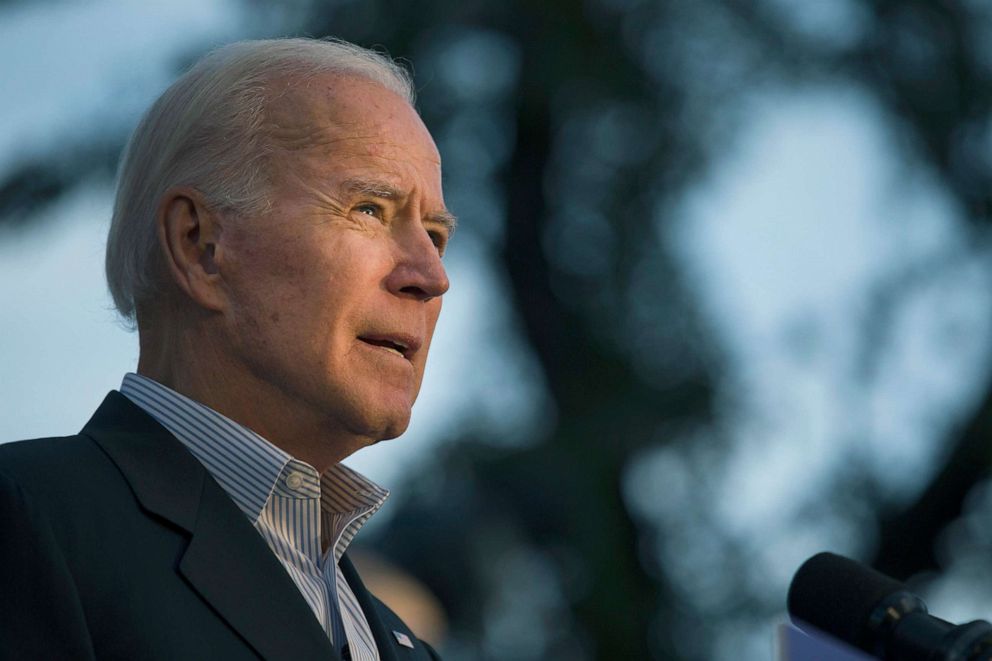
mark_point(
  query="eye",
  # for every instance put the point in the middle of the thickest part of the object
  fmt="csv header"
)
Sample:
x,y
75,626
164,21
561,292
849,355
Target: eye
x,y
369,209
439,239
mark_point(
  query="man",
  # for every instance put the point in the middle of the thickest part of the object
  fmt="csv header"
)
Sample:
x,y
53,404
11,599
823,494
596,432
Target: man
x,y
277,238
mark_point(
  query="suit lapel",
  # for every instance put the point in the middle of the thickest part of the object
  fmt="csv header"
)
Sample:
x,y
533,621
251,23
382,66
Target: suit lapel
x,y
383,636
227,562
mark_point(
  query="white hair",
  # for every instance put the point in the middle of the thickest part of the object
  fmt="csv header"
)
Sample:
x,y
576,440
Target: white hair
x,y
207,130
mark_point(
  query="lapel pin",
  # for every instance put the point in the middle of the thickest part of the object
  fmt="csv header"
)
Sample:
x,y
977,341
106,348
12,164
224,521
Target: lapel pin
x,y
403,639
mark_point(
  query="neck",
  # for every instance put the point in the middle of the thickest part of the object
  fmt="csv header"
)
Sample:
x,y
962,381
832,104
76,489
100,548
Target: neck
x,y
198,367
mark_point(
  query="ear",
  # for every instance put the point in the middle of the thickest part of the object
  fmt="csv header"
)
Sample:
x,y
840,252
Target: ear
x,y
189,236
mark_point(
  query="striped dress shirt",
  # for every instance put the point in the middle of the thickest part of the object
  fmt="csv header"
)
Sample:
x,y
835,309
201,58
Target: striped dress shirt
x,y
296,511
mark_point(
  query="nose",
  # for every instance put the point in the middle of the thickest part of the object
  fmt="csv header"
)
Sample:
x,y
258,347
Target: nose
x,y
419,272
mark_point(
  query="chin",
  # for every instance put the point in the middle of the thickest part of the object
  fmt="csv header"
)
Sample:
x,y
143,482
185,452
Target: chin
x,y
372,409
394,429
381,425
389,417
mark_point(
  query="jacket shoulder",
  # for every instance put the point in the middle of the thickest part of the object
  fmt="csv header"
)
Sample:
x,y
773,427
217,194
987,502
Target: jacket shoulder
x,y
57,467
49,454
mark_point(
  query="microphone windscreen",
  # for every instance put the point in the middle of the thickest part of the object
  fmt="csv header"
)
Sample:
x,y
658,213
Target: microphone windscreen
x,y
837,595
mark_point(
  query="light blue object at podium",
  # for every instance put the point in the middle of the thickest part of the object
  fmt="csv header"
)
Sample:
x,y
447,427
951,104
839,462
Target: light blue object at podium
x,y
794,644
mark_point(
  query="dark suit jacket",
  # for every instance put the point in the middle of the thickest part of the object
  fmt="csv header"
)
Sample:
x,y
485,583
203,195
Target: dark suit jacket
x,y
117,544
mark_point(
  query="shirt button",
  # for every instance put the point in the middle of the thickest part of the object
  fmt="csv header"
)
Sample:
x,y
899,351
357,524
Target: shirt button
x,y
294,480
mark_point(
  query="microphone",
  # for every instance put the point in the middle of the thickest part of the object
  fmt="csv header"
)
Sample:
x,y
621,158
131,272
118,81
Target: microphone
x,y
877,614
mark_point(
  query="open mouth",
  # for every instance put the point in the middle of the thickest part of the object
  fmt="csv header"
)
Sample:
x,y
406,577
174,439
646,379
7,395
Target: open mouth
x,y
400,348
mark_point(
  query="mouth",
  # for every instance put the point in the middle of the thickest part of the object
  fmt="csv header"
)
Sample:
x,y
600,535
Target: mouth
x,y
401,345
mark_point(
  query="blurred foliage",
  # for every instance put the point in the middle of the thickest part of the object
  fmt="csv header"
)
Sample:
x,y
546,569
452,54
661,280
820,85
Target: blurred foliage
x,y
570,132
41,181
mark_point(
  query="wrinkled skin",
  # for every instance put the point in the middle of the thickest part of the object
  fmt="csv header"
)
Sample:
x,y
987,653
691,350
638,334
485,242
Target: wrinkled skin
x,y
313,319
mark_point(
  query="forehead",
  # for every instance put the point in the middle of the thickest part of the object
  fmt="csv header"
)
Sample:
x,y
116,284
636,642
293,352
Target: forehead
x,y
345,117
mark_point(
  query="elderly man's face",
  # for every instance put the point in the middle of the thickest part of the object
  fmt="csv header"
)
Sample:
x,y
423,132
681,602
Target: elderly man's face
x,y
335,292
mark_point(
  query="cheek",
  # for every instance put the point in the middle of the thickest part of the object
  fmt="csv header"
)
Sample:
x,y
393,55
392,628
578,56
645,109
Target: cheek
x,y
431,324
268,290
433,314
288,264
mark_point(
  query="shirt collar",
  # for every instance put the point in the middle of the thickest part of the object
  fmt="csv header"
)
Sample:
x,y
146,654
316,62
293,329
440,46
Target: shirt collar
x,y
248,467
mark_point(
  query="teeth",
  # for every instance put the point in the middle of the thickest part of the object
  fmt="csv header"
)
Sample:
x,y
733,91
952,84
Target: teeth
x,y
398,348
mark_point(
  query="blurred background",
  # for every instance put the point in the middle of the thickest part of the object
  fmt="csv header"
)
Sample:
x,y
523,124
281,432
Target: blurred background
x,y
720,297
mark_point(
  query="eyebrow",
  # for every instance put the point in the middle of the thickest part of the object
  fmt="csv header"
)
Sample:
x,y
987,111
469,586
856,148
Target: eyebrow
x,y
386,191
